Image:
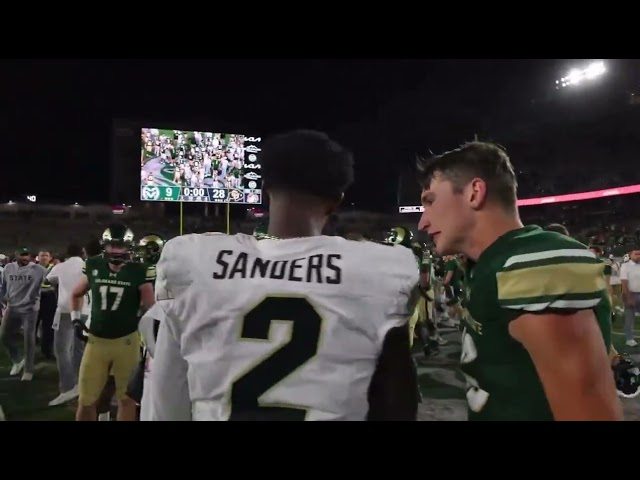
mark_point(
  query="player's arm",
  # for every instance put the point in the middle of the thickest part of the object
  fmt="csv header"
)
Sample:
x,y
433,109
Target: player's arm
x,y
393,393
170,400
551,300
52,276
149,325
147,296
448,277
572,363
78,293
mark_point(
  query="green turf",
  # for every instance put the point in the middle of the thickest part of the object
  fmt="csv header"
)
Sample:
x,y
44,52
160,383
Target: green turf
x,y
618,339
29,400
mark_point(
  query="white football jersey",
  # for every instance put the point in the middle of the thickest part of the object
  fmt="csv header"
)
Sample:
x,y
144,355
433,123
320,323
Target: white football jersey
x,y
291,327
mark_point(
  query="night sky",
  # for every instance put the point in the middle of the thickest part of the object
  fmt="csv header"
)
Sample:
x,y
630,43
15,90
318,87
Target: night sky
x,y
56,116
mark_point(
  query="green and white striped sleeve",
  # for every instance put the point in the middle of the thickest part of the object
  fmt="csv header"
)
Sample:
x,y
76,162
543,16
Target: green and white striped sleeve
x,y
563,278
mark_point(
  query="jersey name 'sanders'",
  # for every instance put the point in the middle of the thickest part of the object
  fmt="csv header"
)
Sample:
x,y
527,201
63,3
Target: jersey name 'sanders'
x,y
320,268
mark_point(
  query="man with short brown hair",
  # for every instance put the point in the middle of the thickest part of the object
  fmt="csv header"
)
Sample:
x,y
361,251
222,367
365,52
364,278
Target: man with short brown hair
x,y
534,348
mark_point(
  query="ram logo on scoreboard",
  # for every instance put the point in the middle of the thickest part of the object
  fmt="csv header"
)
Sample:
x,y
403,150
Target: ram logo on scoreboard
x,y
195,166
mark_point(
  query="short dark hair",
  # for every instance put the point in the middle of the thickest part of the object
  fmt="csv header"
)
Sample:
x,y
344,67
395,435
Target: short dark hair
x,y
93,248
484,160
558,228
307,161
74,250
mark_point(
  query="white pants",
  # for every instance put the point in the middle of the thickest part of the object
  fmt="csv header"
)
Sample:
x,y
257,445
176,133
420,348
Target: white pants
x,y
145,403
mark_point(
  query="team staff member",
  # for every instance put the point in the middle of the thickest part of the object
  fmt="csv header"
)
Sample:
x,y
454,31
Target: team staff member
x,y
20,287
48,303
118,287
68,347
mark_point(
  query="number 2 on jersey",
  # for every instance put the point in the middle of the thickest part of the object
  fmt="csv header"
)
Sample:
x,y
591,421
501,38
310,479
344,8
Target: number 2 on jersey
x,y
104,298
306,326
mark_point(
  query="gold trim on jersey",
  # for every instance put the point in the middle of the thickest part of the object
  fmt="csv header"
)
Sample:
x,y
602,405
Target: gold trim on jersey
x,y
551,280
150,274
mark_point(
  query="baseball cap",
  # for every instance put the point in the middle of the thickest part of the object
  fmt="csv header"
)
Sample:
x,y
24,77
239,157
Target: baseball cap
x,y
23,251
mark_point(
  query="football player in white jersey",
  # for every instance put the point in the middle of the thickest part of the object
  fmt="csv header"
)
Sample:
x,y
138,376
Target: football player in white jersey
x,y
295,326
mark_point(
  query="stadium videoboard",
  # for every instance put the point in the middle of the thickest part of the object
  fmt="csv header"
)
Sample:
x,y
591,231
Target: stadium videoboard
x,y
185,166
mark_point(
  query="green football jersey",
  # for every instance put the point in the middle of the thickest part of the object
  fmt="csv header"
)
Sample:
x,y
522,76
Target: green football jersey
x,y
453,265
527,270
426,266
115,296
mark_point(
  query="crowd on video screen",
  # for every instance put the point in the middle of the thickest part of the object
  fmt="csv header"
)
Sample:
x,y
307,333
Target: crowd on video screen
x,y
197,159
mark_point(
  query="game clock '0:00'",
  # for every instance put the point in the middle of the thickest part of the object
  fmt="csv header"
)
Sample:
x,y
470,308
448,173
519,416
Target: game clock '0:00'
x,y
194,192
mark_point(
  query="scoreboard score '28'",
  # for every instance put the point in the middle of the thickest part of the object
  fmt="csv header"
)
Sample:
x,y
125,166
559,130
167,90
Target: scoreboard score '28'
x,y
186,166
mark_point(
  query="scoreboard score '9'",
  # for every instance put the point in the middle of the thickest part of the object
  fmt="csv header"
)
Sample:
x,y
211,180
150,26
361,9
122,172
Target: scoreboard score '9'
x,y
186,166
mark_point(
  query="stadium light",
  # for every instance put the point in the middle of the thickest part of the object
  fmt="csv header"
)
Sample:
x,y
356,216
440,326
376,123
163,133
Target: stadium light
x,y
577,76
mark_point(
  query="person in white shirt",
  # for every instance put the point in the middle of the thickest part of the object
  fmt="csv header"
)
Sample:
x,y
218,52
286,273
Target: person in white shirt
x,y
630,278
616,285
67,346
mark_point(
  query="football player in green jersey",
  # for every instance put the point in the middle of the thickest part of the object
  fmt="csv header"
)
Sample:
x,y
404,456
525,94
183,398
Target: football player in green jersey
x,y
149,249
118,287
534,344
427,328
148,252
452,283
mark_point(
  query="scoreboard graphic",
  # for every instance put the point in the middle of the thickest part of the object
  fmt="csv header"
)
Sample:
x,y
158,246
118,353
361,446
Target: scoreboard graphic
x,y
193,166
152,193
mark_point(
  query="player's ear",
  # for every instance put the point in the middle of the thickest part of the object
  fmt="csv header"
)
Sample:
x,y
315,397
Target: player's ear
x,y
476,193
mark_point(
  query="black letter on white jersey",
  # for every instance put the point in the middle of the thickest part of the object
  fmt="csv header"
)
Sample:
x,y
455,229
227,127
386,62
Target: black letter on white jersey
x,y
225,265
337,278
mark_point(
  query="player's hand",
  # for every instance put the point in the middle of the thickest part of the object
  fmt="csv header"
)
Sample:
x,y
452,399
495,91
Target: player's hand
x,y
80,329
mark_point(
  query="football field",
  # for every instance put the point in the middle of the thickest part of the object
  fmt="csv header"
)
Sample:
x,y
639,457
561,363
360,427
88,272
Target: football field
x,y
441,383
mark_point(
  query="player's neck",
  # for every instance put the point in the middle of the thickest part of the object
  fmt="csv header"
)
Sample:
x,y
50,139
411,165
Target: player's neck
x,y
488,230
295,215
293,224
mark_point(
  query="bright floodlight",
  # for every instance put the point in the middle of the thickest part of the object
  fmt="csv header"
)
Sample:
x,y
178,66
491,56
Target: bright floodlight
x,y
577,76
